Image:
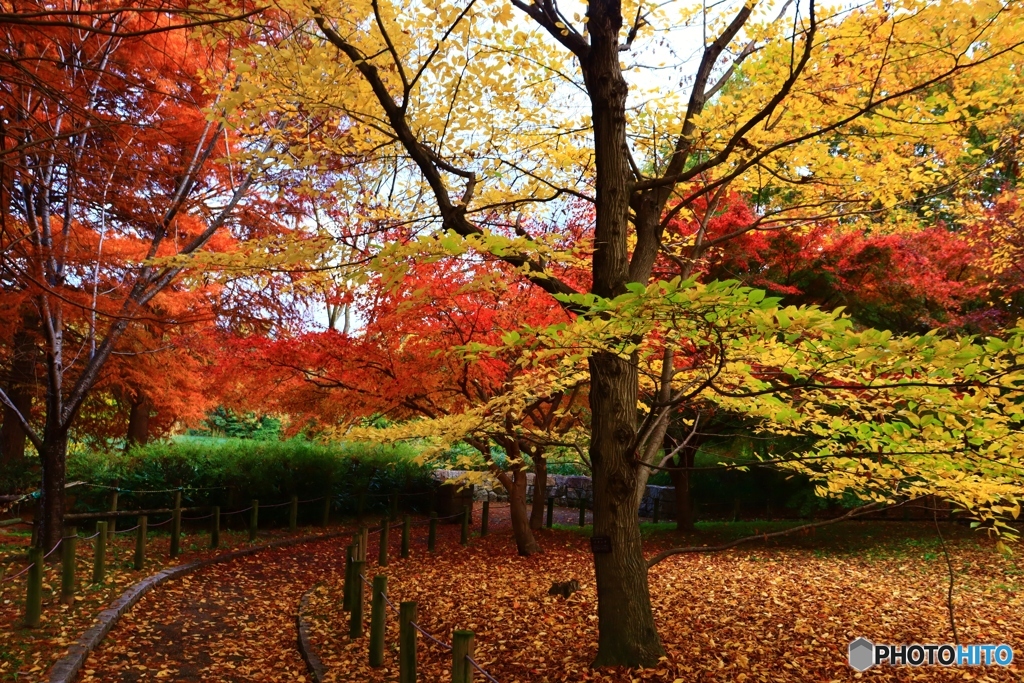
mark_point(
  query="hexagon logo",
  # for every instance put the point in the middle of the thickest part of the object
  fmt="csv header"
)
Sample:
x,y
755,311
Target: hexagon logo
x,y
862,654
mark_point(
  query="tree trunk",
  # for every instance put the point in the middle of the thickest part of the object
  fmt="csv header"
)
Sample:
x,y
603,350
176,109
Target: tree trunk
x,y
20,390
681,481
540,491
515,483
627,634
12,436
138,422
54,458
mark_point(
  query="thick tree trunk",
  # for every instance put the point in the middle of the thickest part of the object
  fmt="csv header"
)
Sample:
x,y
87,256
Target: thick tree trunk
x,y
681,482
515,483
138,422
627,635
626,623
20,390
54,458
540,491
12,437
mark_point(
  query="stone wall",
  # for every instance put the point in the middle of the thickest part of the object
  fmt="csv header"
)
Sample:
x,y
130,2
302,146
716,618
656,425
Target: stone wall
x,y
567,491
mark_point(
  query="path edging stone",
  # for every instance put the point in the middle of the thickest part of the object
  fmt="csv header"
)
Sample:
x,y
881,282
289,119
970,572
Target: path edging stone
x,y
68,666
316,667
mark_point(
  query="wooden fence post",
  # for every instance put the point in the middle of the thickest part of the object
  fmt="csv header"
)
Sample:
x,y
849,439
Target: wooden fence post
x,y
113,520
215,527
293,515
378,618
254,519
406,535
351,553
583,511
406,643
69,544
361,506
465,526
385,541
140,542
327,511
34,599
551,511
432,533
394,507
484,514
355,624
462,647
176,525
364,542
99,558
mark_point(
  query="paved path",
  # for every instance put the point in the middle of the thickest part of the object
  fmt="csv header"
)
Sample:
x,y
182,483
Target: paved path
x,y
235,621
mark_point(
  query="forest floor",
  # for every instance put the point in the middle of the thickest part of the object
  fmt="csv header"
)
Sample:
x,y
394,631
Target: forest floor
x,y
782,610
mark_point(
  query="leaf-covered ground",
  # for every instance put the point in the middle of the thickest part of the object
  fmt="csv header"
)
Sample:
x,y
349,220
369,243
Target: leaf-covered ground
x,y
785,613
27,654
779,613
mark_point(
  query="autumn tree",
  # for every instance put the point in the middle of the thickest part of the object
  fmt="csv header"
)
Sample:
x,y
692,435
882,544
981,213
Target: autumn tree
x,y
470,109
113,161
423,359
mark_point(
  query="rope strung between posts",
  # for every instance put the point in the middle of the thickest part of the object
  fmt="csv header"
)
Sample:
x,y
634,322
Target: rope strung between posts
x,y
195,518
311,500
446,646
480,669
180,488
124,531
25,570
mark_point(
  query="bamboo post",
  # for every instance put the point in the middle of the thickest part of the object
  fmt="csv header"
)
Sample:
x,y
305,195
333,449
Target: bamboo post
x,y
432,533
215,527
176,525
113,520
583,511
551,511
327,511
406,535
465,526
377,620
69,544
34,599
406,643
657,510
254,519
364,541
99,558
355,624
385,532
140,542
484,514
293,515
350,559
462,647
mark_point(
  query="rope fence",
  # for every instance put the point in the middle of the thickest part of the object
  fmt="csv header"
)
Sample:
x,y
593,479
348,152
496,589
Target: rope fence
x,y
106,530
461,647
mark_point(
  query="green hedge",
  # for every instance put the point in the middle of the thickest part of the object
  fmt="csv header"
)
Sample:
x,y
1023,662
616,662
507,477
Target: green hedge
x,y
230,472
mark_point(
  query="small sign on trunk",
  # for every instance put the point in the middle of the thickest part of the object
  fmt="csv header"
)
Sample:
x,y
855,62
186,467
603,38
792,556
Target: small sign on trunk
x,y
600,544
